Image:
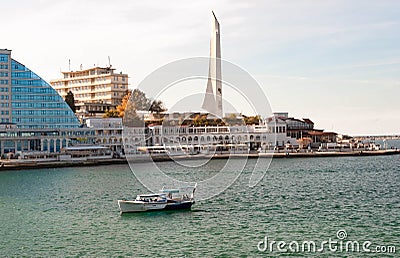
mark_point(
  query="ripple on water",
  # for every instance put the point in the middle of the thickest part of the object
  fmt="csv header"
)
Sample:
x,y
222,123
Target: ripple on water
x,y
73,211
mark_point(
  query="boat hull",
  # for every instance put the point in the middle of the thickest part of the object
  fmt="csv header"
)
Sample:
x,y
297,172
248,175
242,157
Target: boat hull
x,y
179,206
134,206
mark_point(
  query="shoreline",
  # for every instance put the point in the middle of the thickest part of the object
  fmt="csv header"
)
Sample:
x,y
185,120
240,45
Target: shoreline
x,y
58,164
20,165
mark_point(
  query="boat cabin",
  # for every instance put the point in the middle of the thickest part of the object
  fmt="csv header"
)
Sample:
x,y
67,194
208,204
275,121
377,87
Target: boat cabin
x,y
151,198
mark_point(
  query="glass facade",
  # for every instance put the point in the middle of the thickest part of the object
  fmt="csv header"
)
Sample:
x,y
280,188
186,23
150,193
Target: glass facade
x,y
5,86
35,104
3,58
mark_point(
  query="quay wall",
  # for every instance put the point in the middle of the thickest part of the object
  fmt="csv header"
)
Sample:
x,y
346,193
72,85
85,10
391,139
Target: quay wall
x,y
7,165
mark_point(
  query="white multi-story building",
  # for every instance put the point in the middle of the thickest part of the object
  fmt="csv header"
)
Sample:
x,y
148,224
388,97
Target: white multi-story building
x,y
95,90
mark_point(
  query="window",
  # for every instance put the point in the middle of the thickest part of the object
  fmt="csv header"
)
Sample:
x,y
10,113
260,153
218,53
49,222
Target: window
x,y
3,58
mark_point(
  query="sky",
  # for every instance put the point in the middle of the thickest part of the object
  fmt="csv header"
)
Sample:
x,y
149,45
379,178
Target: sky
x,y
335,62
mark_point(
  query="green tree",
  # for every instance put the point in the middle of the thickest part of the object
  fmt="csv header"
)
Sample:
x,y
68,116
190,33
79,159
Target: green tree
x,y
140,100
132,101
70,99
157,106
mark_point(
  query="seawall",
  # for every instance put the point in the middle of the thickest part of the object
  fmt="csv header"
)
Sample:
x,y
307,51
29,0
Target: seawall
x,y
6,165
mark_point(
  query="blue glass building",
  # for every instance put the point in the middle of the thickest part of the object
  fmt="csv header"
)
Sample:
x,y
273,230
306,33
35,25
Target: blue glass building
x,y
28,101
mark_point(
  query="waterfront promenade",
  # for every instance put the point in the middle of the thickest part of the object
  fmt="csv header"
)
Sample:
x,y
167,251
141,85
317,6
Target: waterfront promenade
x,y
6,165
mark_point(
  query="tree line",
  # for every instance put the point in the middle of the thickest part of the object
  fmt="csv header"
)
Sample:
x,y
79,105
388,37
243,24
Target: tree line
x,y
136,99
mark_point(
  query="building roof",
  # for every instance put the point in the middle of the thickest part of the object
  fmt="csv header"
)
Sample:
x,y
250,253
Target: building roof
x,y
89,69
308,121
320,133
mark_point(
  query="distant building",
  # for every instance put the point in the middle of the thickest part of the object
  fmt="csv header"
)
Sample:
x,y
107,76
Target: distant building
x,y
27,101
319,137
203,138
301,129
95,90
107,132
295,128
281,114
33,117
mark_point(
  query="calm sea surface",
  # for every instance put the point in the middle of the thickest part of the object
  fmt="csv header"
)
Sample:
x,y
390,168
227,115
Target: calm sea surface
x,y
74,211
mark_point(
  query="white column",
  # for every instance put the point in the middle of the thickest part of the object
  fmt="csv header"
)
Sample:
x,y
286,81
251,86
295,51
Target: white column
x,y
55,145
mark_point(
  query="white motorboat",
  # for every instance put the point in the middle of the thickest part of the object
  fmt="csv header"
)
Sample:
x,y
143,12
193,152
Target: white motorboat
x,y
167,199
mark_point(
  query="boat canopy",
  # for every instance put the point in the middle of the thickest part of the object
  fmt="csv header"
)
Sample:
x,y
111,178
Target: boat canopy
x,y
170,190
151,195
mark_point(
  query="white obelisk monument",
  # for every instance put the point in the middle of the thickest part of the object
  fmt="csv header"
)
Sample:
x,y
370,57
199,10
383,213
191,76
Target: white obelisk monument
x,y
213,98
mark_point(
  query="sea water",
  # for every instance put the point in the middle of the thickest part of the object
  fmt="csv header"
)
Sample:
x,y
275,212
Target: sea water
x,y
74,211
